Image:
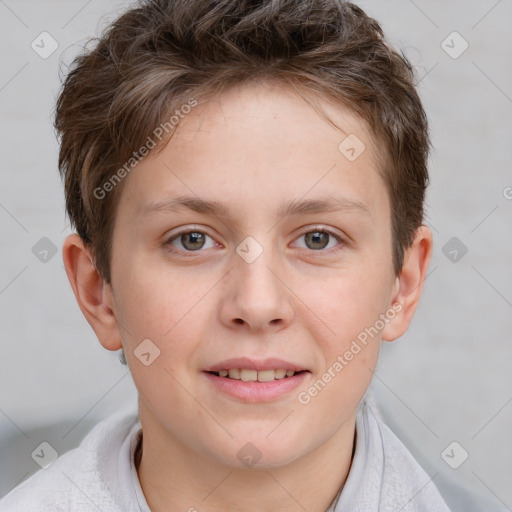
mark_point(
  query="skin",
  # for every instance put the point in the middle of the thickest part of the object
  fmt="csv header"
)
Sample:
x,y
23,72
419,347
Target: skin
x,y
254,147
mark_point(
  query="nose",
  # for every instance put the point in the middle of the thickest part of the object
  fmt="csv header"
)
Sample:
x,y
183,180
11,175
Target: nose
x,y
256,296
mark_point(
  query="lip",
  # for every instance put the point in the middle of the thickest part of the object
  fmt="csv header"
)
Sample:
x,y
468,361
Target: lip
x,y
256,391
271,363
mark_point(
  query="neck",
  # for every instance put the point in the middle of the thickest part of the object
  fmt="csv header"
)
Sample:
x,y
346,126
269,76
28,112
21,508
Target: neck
x,y
179,478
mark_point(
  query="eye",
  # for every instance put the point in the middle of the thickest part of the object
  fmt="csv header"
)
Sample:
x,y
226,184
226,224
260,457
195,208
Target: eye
x,y
318,239
191,239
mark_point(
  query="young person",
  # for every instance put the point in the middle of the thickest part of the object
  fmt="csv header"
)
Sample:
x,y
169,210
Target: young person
x,y
246,180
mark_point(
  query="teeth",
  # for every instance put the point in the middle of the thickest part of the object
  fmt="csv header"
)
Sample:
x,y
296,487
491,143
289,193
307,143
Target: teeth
x,y
266,375
248,375
234,373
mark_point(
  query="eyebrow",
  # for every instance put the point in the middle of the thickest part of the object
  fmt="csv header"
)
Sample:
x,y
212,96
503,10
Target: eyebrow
x,y
288,208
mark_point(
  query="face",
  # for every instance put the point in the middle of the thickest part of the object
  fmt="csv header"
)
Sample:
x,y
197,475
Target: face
x,y
255,265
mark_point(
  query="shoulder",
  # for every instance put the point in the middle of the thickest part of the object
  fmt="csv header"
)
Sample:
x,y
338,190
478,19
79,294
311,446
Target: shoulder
x,y
404,481
74,482
404,473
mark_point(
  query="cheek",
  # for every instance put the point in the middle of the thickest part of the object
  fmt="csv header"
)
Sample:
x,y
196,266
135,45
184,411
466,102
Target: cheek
x,y
156,315
162,306
350,307
349,356
154,300
349,304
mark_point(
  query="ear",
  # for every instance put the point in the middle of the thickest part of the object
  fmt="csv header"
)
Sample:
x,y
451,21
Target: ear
x,y
93,294
409,284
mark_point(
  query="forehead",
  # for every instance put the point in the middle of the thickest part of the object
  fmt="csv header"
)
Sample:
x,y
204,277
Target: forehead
x,y
271,115
259,145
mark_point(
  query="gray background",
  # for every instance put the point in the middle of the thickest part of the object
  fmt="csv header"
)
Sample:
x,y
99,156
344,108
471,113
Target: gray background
x,y
448,379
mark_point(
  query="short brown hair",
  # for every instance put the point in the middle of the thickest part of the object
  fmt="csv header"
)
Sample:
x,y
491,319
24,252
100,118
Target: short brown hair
x,y
161,53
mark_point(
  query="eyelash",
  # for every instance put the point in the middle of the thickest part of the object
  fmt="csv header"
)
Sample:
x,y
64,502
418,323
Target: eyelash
x,y
312,229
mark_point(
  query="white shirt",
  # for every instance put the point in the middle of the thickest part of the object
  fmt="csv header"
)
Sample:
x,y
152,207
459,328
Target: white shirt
x,y
100,474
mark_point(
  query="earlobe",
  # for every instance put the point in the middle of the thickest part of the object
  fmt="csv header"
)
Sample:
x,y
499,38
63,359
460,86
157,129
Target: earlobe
x,y
91,292
409,284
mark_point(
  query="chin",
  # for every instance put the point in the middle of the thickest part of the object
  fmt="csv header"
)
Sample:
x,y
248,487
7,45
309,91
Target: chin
x,y
259,454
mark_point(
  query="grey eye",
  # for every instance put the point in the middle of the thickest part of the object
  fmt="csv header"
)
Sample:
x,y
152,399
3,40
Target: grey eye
x,y
319,239
191,240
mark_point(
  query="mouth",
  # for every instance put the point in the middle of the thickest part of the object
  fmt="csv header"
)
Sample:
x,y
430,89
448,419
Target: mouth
x,y
256,386
248,379
250,375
